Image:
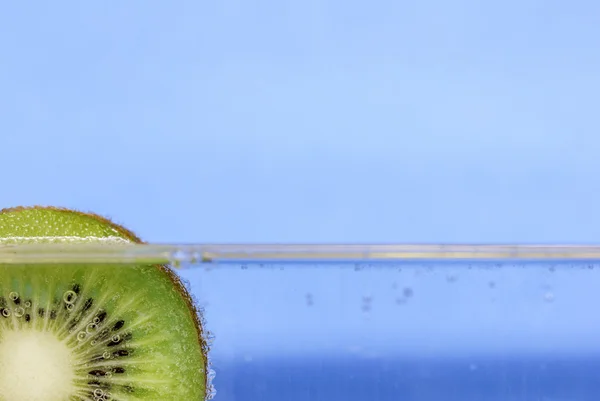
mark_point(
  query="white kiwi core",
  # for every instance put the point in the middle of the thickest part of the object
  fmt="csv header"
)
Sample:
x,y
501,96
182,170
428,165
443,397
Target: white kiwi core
x,y
34,366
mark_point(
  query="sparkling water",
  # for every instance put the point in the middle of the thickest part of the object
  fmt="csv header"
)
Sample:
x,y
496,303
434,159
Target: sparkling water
x,y
384,324
414,331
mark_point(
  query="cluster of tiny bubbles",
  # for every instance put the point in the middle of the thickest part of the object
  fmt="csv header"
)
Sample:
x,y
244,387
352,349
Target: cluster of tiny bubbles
x,y
206,335
90,329
19,311
210,338
187,286
69,298
210,388
199,310
196,257
211,392
187,257
178,257
101,395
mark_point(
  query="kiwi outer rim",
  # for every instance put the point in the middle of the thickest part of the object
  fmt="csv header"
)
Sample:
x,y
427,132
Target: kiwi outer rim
x,y
175,279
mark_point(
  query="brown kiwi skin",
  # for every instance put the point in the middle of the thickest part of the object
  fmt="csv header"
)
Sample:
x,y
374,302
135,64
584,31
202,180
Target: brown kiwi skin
x,y
175,280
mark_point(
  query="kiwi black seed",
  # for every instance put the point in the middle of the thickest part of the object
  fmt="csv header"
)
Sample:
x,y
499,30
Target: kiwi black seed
x,y
94,332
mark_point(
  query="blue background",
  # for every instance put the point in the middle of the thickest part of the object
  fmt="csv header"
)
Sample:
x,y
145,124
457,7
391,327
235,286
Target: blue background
x,y
307,121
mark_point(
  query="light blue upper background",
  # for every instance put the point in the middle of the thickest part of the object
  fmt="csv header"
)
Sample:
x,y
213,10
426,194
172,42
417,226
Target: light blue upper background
x,y
307,121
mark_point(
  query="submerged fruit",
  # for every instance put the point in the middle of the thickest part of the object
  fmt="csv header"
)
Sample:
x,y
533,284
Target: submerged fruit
x,y
93,332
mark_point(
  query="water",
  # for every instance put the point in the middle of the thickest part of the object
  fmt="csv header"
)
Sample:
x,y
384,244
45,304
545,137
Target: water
x,y
414,331
463,326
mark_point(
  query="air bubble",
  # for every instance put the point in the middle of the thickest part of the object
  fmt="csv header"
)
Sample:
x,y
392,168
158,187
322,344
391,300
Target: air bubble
x,y
13,296
549,296
366,303
210,338
108,374
211,392
70,307
91,328
6,312
81,336
28,304
309,299
179,257
93,342
196,257
19,312
98,393
106,355
69,297
96,320
116,338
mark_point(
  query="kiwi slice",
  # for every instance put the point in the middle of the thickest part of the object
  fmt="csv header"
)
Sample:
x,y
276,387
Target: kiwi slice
x,y
94,332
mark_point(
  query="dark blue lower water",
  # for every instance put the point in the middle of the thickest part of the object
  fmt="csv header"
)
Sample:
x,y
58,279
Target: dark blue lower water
x,y
493,379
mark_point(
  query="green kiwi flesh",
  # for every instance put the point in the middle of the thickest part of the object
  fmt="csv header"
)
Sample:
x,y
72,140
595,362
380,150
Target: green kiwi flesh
x,y
93,332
